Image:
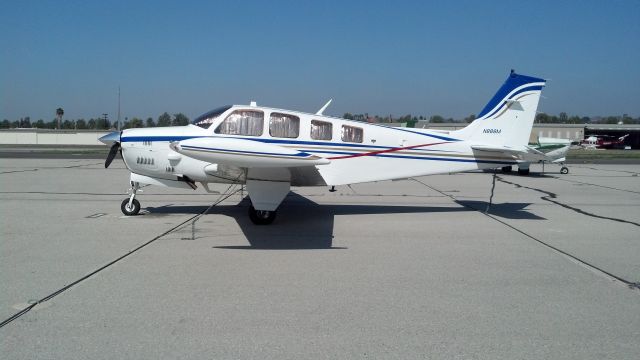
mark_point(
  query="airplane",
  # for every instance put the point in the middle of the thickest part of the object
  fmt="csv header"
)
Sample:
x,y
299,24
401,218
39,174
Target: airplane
x,y
603,142
555,152
269,150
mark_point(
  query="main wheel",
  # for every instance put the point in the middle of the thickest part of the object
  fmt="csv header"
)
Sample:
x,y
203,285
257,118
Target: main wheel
x,y
507,169
564,170
261,217
132,210
523,171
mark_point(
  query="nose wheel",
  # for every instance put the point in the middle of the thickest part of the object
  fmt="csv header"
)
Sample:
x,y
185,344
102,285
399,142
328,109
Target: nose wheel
x,y
130,206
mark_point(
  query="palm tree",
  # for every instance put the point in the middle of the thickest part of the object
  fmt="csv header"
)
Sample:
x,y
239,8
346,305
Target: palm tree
x,y
59,113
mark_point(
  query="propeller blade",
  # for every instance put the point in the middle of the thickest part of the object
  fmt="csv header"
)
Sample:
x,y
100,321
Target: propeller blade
x,y
112,154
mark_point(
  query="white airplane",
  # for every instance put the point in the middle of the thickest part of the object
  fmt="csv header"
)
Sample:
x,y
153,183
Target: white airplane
x,y
555,152
270,150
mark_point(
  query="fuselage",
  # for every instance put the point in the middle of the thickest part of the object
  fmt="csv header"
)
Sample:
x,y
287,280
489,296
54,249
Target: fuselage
x,y
338,151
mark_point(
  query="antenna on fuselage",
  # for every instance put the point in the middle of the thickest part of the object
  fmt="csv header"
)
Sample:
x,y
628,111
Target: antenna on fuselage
x,y
322,109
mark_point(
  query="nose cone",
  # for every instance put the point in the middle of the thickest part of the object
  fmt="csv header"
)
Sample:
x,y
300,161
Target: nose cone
x,y
110,138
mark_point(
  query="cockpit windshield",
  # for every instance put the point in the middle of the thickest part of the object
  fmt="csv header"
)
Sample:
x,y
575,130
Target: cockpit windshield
x,y
205,120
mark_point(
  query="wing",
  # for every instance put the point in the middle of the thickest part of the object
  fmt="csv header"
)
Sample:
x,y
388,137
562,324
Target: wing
x,y
524,153
245,153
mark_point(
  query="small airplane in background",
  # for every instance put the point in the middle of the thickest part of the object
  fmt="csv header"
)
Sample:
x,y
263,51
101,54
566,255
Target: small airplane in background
x,y
603,142
269,150
554,150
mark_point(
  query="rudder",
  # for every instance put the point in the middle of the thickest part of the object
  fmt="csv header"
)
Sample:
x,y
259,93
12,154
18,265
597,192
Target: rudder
x,y
508,117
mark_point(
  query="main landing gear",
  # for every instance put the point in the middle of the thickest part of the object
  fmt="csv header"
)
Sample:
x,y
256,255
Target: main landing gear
x,y
261,217
130,206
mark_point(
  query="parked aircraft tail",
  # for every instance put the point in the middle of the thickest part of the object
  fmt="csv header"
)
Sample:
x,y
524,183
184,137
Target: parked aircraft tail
x,y
507,120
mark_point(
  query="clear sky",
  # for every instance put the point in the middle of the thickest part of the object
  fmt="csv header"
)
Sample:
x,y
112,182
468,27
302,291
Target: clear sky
x,y
380,57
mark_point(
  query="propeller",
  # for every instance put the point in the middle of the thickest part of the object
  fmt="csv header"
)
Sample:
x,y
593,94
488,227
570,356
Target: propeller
x,y
112,154
113,139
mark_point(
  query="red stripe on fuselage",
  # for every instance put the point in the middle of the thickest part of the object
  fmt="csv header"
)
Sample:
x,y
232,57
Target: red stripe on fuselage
x,y
385,151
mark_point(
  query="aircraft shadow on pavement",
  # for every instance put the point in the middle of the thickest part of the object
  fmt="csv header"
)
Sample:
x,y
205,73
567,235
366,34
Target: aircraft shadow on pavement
x,y
304,224
504,210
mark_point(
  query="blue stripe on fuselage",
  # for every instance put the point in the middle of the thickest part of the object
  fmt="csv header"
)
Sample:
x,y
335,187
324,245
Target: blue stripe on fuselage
x,y
299,154
311,151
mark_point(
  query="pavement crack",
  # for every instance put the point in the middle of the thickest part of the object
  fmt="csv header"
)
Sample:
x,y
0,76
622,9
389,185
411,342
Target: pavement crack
x,y
17,171
629,284
33,304
549,196
601,186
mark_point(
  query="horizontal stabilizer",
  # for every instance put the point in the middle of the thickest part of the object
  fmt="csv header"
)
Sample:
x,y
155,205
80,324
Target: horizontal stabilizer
x,y
524,153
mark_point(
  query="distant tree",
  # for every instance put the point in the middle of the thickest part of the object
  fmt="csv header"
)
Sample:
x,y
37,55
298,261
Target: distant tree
x,y
574,120
59,113
164,119
136,123
470,118
347,116
150,122
180,119
40,124
68,124
563,117
585,120
91,124
81,124
25,122
102,124
542,118
436,119
5,124
15,124
611,120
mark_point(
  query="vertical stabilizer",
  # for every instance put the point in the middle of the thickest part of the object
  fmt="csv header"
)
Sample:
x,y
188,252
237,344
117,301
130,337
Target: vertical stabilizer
x,y
508,118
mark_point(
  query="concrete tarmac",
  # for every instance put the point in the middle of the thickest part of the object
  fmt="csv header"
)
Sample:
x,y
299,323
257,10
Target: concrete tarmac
x,y
399,269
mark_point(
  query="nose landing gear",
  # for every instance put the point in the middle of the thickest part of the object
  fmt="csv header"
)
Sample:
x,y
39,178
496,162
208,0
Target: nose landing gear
x,y
131,206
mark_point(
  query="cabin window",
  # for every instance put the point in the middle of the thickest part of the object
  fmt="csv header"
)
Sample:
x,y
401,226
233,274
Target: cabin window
x,y
205,120
284,126
352,134
242,122
321,130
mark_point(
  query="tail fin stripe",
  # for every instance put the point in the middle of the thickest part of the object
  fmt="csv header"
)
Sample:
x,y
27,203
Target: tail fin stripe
x,y
513,83
528,88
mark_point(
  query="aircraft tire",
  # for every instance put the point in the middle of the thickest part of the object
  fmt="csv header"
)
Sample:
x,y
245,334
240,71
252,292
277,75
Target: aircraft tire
x,y
130,211
507,169
523,171
261,217
564,170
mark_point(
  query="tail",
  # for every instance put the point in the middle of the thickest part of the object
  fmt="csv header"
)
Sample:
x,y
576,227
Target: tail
x,y
508,118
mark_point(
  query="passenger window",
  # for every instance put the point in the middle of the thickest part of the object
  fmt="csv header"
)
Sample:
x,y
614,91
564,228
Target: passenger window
x,y
242,122
321,130
284,126
352,134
